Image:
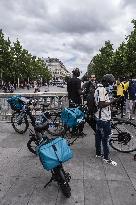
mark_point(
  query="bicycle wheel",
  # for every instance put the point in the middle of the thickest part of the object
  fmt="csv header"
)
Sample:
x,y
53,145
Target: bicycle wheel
x,y
19,122
32,144
123,138
55,125
63,179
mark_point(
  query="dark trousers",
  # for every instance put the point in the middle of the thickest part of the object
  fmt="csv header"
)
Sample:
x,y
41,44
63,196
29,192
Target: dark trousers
x,y
103,131
121,104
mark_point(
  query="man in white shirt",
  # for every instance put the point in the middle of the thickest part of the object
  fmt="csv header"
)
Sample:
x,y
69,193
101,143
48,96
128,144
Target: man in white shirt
x,y
103,117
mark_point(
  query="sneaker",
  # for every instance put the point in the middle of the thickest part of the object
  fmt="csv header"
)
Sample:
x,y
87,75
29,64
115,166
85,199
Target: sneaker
x,y
99,156
132,118
109,161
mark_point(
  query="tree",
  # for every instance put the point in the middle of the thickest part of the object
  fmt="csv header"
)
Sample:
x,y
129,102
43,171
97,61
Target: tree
x,y
15,61
131,50
102,62
6,59
120,64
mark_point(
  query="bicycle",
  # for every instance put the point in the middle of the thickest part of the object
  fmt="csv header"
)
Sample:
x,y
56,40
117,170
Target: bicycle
x,y
123,138
20,122
58,173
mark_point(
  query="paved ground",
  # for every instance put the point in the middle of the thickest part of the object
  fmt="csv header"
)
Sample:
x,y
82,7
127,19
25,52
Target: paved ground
x,y
22,177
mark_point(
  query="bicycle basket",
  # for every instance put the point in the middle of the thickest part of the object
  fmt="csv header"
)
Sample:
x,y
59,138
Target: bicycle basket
x,y
15,102
54,153
72,117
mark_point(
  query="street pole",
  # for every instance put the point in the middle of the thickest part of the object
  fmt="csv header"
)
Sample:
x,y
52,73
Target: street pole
x,y
1,78
18,82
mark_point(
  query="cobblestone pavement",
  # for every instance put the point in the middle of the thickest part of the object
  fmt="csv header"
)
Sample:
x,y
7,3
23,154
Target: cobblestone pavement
x,y
22,177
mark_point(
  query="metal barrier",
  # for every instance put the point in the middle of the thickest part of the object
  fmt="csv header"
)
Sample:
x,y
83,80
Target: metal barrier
x,y
46,101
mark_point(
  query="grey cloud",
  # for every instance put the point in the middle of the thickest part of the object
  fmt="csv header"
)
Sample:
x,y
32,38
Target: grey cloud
x,y
31,8
80,22
34,8
71,30
69,21
39,17
21,16
129,2
83,17
82,46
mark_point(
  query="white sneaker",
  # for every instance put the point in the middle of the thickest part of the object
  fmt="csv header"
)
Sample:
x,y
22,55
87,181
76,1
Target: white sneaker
x,y
99,156
109,161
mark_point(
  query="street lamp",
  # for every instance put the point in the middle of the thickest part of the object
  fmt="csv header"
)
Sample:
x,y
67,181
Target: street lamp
x,y
18,80
1,77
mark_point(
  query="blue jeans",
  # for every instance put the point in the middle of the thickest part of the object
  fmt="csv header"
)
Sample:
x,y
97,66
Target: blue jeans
x,y
103,131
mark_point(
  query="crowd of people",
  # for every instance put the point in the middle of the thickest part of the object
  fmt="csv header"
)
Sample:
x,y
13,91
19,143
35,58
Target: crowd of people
x,y
9,87
100,96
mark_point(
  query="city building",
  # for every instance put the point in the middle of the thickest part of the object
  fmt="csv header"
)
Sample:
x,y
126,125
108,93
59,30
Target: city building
x,y
57,68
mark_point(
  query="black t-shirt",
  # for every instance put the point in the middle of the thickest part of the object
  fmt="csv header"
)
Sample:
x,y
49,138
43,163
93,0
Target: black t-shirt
x,y
73,88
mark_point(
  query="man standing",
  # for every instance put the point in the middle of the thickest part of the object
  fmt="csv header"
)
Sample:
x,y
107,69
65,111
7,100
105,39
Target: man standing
x,y
89,89
74,88
103,117
122,87
130,99
74,95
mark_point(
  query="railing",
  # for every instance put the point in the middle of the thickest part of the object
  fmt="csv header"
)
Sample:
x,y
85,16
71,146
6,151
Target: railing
x,y
48,101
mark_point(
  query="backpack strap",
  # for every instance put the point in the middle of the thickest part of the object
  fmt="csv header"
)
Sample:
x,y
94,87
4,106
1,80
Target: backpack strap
x,y
100,109
122,84
55,150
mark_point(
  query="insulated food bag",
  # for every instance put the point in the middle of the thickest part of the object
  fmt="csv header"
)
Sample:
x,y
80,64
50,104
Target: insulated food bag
x,y
54,153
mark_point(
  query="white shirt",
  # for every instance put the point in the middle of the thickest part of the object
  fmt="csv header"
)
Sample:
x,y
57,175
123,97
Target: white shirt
x,y
102,95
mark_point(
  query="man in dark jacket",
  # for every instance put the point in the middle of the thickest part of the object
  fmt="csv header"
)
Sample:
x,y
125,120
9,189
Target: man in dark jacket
x,y
74,88
130,99
89,89
74,94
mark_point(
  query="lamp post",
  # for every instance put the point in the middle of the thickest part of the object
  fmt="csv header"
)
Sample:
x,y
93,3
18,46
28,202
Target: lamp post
x,y
14,76
1,77
18,80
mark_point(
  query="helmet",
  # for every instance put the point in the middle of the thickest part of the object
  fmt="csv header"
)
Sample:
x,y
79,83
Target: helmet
x,y
108,78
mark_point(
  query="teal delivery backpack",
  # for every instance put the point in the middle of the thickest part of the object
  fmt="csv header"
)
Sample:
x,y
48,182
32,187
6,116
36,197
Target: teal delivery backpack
x,y
54,153
15,102
72,117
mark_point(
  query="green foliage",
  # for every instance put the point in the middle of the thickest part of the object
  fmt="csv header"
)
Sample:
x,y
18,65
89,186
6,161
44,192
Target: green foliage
x,y
18,62
121,62
102,62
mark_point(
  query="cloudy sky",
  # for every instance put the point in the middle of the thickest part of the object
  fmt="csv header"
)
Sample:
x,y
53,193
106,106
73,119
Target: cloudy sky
x,y
71,30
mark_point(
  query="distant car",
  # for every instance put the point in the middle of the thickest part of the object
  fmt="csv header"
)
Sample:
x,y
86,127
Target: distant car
x,y
58,83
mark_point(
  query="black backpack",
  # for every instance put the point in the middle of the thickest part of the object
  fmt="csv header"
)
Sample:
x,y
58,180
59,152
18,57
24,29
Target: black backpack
x,y
89,94
93,108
